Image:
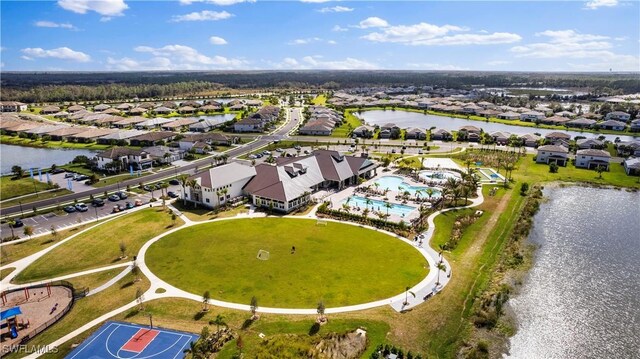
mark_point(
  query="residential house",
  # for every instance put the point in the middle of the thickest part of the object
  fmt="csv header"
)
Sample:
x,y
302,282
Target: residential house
x,y
553,154
205,125
568,114
12,106
470,109
111,111
64,133
581,123
101,107
153,123
152,138
316,128
124,107
618,116
469,133
557,138
632,166
187,109
211,139
628,148
123,158
162,110
556,120
249,124
500,138
75,108
530,140
129,122
120,137
49,110
441,135
532,116
90,134
215,186
415,134
488,113
21,126
164,154
613,125
137,111
44,130
364,131
178,125
592,158
509,115
635,126
585,143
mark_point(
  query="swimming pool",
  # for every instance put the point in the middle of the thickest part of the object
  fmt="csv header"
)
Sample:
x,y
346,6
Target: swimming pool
x,y
393,182
400,210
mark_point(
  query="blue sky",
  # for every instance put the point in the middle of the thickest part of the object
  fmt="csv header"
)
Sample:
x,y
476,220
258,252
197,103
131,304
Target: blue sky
x,y
122,35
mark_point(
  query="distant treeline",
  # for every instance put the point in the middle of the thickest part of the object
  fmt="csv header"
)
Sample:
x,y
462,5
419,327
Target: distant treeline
x,y
67,86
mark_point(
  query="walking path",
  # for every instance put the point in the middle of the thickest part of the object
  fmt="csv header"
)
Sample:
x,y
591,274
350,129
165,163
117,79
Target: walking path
x,y
113,280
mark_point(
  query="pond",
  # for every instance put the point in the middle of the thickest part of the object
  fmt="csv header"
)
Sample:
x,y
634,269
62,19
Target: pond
x,y
581,298
31,157
406,119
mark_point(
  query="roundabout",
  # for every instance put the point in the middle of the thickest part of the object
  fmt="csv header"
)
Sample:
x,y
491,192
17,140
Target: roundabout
x,y
286,262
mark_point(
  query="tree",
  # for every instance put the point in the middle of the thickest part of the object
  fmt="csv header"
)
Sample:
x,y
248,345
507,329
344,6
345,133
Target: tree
x,y
600,169
184,179
254,308
163,189
218,321
553,167
28,231
123,250
441,267
140,298
524,188
173,218
12,223
17,171
54,232
321,309
406,295
205,301
388,206
135,271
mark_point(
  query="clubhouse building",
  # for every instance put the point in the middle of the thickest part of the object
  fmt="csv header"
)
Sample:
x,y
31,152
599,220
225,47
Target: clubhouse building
x,y
283,186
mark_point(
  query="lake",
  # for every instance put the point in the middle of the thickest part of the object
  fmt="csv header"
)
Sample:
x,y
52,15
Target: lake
x,y
31,157
406,119
581,298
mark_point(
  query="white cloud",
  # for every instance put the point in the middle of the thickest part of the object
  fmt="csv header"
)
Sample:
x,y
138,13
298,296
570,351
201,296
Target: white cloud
x,y
205,15
372,22
215,2
569,44
498,62
436,67
216,40
52,24
128,64
310,40
102,7
338,28
429,34
331,42
181,57
595,4
63,53
336,9
316,62
106,19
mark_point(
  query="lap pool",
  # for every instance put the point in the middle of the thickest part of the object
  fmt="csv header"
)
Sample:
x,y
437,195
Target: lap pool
x,y
393,183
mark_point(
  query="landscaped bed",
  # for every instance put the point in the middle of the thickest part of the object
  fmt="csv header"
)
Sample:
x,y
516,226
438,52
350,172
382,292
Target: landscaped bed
x,y
339,264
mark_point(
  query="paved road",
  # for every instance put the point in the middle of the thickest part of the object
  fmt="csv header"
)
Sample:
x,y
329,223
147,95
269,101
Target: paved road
x,y
281,133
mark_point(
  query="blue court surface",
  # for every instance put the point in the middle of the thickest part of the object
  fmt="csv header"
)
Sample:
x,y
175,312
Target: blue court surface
x,y
132,341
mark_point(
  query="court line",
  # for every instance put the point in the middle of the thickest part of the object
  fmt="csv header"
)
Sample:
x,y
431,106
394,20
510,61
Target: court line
x,y
85,345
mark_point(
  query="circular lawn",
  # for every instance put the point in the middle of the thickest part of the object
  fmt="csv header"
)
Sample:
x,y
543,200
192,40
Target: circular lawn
x,y
339,264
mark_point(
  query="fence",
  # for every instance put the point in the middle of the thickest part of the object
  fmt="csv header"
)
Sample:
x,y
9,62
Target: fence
x,y
75,294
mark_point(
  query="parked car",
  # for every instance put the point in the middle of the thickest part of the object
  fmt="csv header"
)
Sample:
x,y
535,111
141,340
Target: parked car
x,y
81,207
174,182
98,202
147,188
252,157
17,223
115,209
81,178
279,150
266,153
138,202
393,150
128,205
172,194
122,195
306,152
69,209
297,147
159,185
114,198
420,151
56,171
69,175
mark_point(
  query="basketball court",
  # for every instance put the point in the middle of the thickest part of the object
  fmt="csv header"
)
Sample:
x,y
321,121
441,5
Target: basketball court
x,y
129,341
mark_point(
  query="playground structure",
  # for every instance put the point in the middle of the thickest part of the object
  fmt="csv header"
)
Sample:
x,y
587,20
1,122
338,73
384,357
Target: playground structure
x,y
29,311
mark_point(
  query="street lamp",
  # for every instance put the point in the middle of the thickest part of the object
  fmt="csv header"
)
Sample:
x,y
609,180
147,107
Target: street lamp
x,y
96,209
21,212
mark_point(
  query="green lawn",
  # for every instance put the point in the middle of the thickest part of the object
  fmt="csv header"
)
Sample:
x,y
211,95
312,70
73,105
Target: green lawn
x,y
14,140
350,124
10,187
328,261
11,252
100,246
106,181
320,99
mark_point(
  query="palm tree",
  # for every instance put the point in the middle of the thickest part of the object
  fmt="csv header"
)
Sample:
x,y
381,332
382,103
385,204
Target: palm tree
x,y
365,212
254,308
11,223
346,208
406,295
465,192
441,267
205,301
224,157
28,231
456,192
184,179
430,192
163,190
368,202
376,185
388,206
218,321
443,195
191,183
